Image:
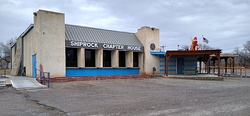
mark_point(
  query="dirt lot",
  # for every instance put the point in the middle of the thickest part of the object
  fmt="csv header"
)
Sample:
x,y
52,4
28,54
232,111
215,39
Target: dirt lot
x,y
17,103
132,97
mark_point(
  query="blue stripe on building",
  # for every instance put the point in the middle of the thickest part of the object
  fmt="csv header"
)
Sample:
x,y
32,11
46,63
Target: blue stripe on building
x,y
161,56
171,70
101,71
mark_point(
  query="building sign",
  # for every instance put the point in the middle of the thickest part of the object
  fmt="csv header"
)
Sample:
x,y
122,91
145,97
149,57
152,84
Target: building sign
x,y
105,46
134,48
84,44
113,46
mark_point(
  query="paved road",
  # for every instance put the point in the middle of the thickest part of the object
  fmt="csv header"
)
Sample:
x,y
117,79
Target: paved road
x,y
139,97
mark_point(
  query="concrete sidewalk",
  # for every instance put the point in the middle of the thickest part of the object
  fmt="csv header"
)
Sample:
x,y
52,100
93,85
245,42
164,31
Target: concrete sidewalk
x,y
4,81
21,82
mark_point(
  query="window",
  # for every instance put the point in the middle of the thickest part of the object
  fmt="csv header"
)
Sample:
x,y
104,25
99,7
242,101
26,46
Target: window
x,y
106,58
122,59
71,57
135,59
89,58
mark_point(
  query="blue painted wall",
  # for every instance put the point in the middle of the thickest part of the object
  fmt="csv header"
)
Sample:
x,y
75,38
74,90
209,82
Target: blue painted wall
x,y
101,71
161,60
162,63
172,65
190,64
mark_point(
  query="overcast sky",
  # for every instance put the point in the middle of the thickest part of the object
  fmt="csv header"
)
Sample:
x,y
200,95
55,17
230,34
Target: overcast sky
x,y
225,23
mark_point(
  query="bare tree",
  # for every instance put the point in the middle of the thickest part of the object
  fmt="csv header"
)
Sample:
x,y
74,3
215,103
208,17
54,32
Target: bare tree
x,y
5,49
247,46
239,60
244,54
185,47
205,47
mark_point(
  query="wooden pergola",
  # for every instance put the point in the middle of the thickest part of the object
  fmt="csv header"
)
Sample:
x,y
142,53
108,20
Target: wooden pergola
x,y
205,56
225,57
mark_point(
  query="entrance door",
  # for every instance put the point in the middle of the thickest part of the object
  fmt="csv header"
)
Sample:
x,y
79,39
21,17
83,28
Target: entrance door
x,y
34,65
180,65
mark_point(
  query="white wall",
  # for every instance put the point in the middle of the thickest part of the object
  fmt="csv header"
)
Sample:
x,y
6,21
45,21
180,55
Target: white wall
x,y
51,53
47,41
147,36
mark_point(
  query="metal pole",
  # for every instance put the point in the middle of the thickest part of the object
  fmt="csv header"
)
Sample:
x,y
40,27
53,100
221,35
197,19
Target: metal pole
x,y
245,73
6,65
5,72
10,57
48,79
5,59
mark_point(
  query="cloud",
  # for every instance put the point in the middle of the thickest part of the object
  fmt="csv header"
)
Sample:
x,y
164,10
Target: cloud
x,y
89,8
224,22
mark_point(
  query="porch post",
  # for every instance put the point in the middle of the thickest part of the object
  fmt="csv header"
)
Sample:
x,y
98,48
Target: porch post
x,y
233,65
213,66
225,65
166,64
200,65
208,64
218,57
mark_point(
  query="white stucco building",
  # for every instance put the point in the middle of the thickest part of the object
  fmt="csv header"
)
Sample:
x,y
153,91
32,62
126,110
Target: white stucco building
x,y
67,50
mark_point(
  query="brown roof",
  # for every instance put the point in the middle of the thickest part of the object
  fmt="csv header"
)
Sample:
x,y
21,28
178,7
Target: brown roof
x,y
193,52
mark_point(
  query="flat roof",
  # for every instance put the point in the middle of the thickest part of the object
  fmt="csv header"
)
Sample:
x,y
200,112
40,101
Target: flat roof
x,y
193,52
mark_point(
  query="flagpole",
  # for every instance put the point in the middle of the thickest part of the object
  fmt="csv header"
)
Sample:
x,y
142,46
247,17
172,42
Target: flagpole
x,y
202,44
205,40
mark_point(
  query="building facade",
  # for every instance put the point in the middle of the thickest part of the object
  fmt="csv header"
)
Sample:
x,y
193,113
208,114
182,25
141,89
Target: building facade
x,y
67,50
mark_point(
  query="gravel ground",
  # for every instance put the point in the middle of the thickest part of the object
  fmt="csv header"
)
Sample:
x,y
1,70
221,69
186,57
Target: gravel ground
x,y
17,103
133,97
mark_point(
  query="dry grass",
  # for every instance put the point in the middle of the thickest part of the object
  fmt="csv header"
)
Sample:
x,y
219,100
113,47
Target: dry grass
x,y
7,71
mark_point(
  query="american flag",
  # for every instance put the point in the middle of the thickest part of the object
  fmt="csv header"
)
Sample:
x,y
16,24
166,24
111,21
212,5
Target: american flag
x,y
205,40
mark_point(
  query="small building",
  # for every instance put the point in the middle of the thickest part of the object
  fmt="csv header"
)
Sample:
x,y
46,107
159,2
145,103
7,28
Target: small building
x,y
185,62
67,50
